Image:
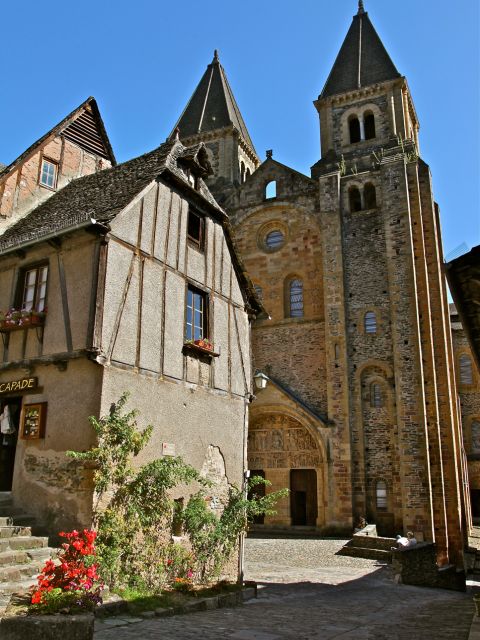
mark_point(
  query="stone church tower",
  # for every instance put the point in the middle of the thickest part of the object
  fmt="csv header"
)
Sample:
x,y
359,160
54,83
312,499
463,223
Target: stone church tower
x,y
359,417
212,116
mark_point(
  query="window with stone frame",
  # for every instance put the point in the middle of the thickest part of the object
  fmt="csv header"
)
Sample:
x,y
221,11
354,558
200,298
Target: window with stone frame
x,y
271,190
48,173
369,125
196,323
381,495
370,196
354,129
355,199
370,322
295,298
33,288
466,370
274,239
376,395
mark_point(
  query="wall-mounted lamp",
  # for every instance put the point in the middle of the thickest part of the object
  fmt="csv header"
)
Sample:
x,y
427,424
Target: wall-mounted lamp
x,y
260,380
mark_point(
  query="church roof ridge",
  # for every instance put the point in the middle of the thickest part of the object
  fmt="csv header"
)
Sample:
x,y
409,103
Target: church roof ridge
x,y
212,105
362,59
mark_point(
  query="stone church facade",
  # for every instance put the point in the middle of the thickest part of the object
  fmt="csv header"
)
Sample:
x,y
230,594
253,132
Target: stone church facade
x,y
360,414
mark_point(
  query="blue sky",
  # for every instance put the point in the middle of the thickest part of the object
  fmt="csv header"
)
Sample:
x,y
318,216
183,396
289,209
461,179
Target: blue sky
x,y
142,60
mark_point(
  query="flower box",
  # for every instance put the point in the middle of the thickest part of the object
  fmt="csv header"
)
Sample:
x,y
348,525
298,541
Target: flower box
x,y
202,346
14,320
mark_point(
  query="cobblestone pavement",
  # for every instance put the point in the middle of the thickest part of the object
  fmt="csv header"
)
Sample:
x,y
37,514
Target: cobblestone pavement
x,y
309,593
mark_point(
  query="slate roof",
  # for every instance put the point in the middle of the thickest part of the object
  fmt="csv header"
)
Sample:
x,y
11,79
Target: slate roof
x,y
101,195
362,60
58,128
212,106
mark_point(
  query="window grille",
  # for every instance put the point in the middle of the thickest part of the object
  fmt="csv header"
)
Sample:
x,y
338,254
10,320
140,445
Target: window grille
x,y
296,298
376,399
274,239
370,322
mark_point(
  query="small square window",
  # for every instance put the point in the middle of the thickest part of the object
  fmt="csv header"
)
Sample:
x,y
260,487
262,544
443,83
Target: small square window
x,y
196,228
34,288
196,327
48,174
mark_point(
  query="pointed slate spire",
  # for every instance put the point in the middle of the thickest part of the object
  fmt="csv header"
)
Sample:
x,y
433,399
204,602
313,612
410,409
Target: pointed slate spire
x,y
362,60
212,105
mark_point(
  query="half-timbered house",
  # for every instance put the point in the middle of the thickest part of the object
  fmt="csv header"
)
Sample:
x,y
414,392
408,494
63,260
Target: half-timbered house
x,y
123,280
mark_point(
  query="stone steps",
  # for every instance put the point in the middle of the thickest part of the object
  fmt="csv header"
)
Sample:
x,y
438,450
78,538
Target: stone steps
x,y
22,555
371,547
11,531
367,553
23,542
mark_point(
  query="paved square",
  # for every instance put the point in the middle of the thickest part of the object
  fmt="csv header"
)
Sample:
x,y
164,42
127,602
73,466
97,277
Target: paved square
x,y
309,593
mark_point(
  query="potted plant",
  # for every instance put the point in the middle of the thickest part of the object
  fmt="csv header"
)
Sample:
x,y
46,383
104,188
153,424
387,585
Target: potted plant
x,y
21,318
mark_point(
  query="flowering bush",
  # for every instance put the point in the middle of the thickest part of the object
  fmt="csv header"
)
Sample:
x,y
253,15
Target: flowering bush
x,y
72,582
21,317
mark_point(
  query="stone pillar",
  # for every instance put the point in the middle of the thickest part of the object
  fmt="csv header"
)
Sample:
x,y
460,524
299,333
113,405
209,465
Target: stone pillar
x,y
450,430
406,340
430,375
339,499
362,128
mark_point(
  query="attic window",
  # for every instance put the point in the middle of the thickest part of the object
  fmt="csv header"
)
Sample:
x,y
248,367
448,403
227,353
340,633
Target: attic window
x,y
196,229
48,174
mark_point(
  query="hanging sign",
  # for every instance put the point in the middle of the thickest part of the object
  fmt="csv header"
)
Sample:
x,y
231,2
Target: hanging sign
x,y
18,385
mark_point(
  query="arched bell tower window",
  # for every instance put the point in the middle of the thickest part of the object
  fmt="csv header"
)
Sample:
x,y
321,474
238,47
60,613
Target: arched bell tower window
x,y
271,189
295,298
247,174
370,196
354,129
381,494
355,199
370,322
369,124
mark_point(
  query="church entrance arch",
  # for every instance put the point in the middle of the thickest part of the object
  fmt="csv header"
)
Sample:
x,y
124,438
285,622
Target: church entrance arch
x,y
290,456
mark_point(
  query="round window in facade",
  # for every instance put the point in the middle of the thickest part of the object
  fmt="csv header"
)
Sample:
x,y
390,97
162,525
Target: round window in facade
x,y
274,240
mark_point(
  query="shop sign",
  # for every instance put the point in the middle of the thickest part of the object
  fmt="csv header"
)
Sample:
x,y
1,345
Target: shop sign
x,y
18,385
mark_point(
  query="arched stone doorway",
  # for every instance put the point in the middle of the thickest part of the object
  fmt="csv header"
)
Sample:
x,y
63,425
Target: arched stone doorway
x,y
290,456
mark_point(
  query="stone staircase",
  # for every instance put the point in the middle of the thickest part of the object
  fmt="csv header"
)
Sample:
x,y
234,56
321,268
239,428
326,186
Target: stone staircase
x,y
372,547
22,554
